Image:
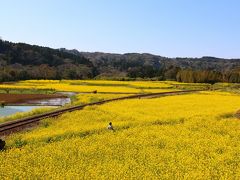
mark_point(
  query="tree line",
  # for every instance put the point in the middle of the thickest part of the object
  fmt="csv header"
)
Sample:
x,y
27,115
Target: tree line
x,y
187,75
19,61
207,76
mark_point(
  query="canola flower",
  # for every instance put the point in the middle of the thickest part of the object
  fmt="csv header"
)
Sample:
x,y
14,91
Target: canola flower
x,y
111,89
92,85
90,98
108,86
192,136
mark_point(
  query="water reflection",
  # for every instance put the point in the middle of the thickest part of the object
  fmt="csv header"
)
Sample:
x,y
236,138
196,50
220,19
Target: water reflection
x,y
10,110
33,104
50,102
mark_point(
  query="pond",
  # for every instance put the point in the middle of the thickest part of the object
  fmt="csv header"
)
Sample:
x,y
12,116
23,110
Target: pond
x,y
28,104
50,102
10,110
33,104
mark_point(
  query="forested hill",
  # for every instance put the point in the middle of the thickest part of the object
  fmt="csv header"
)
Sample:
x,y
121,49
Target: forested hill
x,y
135,65
19,61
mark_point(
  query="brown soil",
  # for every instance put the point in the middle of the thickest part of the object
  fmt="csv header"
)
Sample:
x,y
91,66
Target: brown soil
x,y
24,98
238,114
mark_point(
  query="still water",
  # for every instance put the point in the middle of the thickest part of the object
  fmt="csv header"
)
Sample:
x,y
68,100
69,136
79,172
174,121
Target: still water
x,y
33,104
50,102
10,110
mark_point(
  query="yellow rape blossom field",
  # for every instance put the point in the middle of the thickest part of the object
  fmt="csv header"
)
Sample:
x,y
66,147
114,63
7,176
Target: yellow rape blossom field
x,y
101,86
191,136
90,98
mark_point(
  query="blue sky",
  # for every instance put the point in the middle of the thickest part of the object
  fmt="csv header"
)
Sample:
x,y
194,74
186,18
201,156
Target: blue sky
x,y
173,28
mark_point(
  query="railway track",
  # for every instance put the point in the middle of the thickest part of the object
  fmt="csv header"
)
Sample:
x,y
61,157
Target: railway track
x,y
20,124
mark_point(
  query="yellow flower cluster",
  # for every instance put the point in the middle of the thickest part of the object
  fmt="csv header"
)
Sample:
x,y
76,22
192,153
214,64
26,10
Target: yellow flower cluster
x,y
90,98
194,136
92,85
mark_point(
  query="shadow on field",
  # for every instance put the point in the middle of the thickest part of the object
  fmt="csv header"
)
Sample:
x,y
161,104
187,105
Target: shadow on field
x,y
168,122
237,115
226,116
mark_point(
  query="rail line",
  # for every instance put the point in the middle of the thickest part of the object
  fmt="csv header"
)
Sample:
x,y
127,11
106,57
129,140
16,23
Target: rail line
x,y
11,126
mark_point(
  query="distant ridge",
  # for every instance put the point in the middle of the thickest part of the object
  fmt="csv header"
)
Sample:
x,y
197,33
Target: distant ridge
x,y
20,61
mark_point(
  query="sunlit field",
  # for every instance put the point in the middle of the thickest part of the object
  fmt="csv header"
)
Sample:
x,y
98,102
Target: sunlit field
x,y
100,86
192,136
90,98
105,86
85,91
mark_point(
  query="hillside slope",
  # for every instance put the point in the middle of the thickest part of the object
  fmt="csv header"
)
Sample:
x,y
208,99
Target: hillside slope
x,y
19,61
23,61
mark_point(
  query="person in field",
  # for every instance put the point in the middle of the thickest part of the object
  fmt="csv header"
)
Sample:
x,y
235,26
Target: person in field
x,y
110,127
